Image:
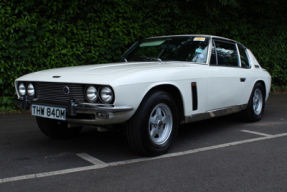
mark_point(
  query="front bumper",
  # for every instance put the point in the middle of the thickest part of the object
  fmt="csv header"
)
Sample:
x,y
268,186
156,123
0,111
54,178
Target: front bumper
x,y
73,107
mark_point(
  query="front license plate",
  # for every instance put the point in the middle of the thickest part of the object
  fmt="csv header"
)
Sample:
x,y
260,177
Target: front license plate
x,y
49,112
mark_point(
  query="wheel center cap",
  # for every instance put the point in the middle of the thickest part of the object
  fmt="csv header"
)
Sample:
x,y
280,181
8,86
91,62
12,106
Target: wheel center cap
x,y
159,123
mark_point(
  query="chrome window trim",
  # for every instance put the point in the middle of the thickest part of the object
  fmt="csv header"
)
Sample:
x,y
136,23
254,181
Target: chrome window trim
x,y
238,55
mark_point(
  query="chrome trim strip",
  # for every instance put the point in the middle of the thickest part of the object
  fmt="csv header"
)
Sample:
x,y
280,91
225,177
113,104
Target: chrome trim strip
x,y
209,51
214,113
248,57
238,55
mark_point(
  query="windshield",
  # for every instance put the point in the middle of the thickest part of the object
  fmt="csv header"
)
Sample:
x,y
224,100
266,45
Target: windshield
x,y
186,48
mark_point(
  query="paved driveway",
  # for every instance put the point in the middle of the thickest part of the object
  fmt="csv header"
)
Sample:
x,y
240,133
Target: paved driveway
x,y
221,154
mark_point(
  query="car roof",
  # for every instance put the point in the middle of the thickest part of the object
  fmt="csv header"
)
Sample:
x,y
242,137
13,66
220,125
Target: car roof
x,y
201,35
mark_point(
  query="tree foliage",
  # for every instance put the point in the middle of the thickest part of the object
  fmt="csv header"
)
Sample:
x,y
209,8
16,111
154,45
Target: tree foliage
x,y
36,35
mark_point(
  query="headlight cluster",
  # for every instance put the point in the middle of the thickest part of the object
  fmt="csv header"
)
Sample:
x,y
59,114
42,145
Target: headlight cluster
x,y
105,94
26,89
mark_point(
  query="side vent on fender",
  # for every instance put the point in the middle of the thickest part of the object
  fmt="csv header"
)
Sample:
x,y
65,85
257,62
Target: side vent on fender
x,y
194,96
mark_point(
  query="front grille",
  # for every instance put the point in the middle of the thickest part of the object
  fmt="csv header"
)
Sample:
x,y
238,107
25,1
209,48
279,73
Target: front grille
x,y
55,91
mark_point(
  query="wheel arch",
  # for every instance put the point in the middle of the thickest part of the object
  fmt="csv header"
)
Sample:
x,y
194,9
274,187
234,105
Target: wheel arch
x,y
249,114
264,86
175,93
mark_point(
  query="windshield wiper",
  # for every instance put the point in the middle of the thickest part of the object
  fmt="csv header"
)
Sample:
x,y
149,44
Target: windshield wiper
x,y
123,58
156,59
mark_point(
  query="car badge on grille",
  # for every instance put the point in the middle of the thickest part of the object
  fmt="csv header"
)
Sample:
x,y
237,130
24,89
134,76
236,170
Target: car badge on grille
x,y
66,90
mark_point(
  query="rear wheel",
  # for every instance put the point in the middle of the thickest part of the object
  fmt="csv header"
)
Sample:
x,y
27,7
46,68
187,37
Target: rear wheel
x,y
256,104
56,129
153,128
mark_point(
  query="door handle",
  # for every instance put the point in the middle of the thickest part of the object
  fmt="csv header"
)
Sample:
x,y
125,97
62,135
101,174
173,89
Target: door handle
x,y
242,79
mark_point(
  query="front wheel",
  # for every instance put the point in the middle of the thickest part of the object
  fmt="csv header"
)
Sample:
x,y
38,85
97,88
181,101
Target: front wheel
x,y
256,104
153,128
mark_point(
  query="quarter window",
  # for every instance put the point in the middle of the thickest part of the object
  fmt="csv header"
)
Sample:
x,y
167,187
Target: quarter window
x,y
243,57
226,53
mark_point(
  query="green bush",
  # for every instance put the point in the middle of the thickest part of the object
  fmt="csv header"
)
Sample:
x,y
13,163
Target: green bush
x,y
6,103
36,35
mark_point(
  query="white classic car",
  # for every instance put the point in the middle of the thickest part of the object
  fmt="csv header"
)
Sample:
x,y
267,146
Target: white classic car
x,y
158,84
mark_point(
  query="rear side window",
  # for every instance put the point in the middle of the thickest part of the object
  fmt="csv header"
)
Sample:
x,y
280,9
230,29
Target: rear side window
x,y
226,53
243,57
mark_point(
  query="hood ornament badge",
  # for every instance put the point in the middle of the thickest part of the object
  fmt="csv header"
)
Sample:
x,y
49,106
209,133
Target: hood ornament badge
x,y
56,76
66,90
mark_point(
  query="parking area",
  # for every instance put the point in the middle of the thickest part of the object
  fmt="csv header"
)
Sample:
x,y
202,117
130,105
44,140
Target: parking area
x,y
220,154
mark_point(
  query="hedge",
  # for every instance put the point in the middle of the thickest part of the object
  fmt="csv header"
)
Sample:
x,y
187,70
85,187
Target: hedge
x,y
41,34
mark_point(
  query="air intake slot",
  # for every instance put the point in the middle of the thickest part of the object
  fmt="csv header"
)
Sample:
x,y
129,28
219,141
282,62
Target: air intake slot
x,y
194,96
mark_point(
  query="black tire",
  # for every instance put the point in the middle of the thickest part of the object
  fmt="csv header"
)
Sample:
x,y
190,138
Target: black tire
x,y
156,105
250,114
56,129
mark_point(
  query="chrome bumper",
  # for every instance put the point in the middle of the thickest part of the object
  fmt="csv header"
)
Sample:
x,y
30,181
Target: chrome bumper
x,y
99,107
103,111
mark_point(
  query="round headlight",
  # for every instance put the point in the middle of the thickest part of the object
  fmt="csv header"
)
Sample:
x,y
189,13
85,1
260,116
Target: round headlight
x,y
91,94
31,90
106,94
22,89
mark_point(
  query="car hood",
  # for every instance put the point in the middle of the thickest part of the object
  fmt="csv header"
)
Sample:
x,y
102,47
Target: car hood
x,y
113,73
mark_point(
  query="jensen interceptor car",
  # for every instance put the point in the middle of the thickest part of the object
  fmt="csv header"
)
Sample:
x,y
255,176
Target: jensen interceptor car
x,y
158,84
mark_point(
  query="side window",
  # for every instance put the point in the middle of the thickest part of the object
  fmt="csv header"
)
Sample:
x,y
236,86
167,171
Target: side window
x,y
243,57
226,54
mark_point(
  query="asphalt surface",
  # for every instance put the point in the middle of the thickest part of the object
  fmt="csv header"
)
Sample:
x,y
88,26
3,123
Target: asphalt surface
x,y
220,154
